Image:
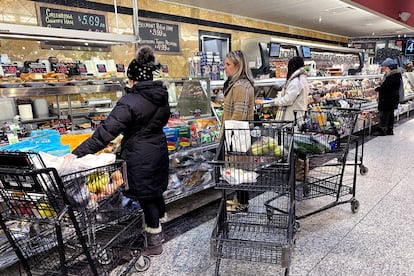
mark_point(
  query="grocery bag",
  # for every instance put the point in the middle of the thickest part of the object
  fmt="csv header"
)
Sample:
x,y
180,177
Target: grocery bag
x,y
237,136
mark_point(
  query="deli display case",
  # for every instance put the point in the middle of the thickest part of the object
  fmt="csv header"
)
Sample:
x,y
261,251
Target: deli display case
x,y
78,106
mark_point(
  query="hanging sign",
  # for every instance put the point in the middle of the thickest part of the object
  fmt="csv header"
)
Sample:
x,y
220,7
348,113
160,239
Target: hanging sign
x,y
55,16
161,36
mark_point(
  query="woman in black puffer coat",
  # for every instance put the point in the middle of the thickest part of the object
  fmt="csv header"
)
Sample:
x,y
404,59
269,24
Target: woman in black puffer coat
x,y
140,115
388,97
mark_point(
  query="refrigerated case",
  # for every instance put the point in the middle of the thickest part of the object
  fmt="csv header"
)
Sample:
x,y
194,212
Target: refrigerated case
x,y
79,107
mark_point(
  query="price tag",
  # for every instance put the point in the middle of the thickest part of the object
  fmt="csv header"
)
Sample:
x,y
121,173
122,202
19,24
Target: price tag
x,y
120,68
9,70
82,68
12,138
60,68
101,68
37,68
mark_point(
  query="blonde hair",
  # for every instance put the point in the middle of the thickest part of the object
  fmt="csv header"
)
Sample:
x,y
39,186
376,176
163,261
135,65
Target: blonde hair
x,y
243,71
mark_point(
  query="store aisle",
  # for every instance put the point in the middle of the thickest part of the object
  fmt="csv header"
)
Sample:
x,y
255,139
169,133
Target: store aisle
x,y
378,240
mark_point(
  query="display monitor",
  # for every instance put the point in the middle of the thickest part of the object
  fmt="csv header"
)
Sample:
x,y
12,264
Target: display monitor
x,y
306,52
274,49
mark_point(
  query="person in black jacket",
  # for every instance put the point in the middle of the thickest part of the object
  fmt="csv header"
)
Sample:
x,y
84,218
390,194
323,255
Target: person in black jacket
x,y
388,97
140,115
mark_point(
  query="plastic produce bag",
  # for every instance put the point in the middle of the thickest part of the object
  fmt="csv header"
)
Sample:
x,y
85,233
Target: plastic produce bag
x,y
69,163
238,176
266,145
77,190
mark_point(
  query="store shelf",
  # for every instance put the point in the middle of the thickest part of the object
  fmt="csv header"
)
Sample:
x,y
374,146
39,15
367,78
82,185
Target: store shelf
x,y
186,152
171,196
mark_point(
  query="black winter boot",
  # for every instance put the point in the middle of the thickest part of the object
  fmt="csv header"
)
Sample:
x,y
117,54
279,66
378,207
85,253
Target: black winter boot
x,y
390,131
154,241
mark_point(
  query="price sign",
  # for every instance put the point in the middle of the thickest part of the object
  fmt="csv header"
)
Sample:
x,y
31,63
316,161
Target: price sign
x,y
101,68
56,16
162,36
120,68
9,70
409,47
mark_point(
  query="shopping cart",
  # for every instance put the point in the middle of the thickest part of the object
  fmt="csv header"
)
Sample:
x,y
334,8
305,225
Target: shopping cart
x,y
325,167
256,157
68,225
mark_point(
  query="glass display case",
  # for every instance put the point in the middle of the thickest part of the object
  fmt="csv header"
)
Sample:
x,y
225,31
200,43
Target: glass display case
x,y
79,107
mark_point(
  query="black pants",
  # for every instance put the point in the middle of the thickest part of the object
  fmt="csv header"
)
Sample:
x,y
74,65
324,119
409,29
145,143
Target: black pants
x,y
386,120
154,209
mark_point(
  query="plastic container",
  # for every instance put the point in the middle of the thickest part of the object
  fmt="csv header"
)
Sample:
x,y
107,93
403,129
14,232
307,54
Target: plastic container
x,y
25,112
40,108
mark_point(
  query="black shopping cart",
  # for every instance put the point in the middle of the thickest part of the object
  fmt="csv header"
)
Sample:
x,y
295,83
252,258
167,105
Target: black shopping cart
x,y
255,157
69,225
323,141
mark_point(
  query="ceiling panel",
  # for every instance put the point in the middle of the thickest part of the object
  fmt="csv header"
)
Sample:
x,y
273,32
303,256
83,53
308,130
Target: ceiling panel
x,y
328,16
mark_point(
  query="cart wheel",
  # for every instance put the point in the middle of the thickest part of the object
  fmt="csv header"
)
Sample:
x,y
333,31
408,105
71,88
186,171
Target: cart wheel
x,y
106,257
354,206
296,227
269,213
306,191
363,170
143,263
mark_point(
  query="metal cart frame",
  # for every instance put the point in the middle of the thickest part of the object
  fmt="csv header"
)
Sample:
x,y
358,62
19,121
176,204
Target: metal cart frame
x,y
264,149
324,171
68,233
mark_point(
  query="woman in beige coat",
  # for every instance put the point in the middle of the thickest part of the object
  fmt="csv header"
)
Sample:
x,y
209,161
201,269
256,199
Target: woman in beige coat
x,y
238,105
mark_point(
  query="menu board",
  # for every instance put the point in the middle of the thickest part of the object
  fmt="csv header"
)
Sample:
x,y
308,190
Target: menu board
x,y
55,16
64,17
162,36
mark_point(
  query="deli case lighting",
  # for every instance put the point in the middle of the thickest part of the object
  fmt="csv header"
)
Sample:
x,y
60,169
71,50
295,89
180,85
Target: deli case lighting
x,y
15,31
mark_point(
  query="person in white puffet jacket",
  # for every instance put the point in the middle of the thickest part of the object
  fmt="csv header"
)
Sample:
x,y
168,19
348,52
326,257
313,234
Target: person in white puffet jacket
x,y
294,95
